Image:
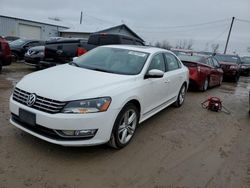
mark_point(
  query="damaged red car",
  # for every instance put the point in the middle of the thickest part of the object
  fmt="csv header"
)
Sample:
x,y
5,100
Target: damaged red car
x,y
204,71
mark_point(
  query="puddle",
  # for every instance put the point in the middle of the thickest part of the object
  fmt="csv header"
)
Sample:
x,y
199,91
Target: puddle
x,y
242,88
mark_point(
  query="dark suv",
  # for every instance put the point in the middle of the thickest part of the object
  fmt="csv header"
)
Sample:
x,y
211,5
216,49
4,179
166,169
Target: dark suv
x,y
245,66
19,47
5,53
230,65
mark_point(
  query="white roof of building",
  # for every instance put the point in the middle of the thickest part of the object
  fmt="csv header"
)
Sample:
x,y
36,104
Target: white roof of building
x,y
33,19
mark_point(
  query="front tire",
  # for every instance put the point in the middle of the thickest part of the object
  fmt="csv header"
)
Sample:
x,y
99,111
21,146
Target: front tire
x,y
124,127
181,96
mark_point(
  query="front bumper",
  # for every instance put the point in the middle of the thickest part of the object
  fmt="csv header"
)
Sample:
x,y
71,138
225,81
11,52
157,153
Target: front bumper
x,y
230,72
46,124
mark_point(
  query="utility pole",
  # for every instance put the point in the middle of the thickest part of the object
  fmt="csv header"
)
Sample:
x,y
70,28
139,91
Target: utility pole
x,y
81,18
229,34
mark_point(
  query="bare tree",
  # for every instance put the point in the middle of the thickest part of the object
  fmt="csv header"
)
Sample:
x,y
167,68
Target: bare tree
x,y
215,48
185,44
164,44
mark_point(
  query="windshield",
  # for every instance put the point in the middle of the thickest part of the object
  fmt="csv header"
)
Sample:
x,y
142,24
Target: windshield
x,y
18,42
190,58
228,58
246,60
113,60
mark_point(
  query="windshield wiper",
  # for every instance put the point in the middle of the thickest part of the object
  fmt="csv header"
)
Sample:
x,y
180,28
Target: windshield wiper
x,y
74,63
101,70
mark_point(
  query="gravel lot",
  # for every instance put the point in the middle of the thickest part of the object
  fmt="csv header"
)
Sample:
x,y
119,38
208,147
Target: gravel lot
x,y
186,147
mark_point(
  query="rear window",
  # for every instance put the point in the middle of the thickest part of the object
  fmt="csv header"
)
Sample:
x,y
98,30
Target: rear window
x,y
190,58
246,60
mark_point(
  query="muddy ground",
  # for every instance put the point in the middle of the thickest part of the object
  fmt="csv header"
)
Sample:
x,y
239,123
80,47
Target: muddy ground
x,y
186,147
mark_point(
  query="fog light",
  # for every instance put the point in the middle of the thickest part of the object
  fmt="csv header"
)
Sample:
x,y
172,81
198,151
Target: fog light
x,y
87,133
90,132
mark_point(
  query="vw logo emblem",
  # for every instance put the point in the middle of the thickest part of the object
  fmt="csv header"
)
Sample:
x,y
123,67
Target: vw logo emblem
x,y
31,99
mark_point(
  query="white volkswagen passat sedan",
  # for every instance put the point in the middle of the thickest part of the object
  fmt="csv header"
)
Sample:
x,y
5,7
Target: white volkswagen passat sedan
x,y
100,97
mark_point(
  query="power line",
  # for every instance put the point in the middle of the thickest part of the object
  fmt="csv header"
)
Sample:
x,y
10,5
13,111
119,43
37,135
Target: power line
x,y
182,26
178,30
99,19
217,37
242,20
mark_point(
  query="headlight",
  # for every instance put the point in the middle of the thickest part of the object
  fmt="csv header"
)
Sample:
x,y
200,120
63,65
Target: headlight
x,y
243,67
87,106
233,67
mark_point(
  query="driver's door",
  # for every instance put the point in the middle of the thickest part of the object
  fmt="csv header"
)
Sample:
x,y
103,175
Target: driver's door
x,y
154,89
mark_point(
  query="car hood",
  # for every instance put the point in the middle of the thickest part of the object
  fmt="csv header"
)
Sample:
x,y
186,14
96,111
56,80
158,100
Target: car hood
x,y
245,64
67,82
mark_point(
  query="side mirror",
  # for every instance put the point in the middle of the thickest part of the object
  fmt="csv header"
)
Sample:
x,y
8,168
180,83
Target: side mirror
x,y
154,73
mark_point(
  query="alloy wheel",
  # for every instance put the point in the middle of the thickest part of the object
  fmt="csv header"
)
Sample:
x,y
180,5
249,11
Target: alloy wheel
x,y
127,126
182,94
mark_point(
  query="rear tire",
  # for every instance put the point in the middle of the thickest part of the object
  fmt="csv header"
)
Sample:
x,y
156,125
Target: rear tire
x,y
181,96
221,79
124,127
205,85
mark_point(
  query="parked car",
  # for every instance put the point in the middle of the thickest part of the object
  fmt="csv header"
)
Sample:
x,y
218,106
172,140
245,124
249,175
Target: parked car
x,y
245,66
230,65
5,53
11,38
204,71
64,50
34,56
19,47
100,97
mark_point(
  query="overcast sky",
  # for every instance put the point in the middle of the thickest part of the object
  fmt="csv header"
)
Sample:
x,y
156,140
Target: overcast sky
x,y
152,20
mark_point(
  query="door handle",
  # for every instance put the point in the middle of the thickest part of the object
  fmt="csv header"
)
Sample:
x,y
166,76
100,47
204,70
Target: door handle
x,y
167,81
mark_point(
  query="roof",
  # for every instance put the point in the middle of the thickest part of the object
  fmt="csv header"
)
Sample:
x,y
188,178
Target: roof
x,y
97,28
32,19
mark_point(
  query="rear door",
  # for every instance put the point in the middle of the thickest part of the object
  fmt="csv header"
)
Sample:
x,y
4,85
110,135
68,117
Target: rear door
x,y
174,75
213,72
218,72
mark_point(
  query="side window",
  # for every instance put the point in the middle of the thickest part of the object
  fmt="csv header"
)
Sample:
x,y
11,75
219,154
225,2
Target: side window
x,y
172,62
157,63
31,44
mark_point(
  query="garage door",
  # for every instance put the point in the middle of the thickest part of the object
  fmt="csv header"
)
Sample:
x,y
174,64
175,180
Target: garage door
x,y
29,31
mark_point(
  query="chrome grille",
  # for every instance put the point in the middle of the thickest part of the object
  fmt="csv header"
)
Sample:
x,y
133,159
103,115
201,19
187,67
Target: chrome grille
x,y
41,103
